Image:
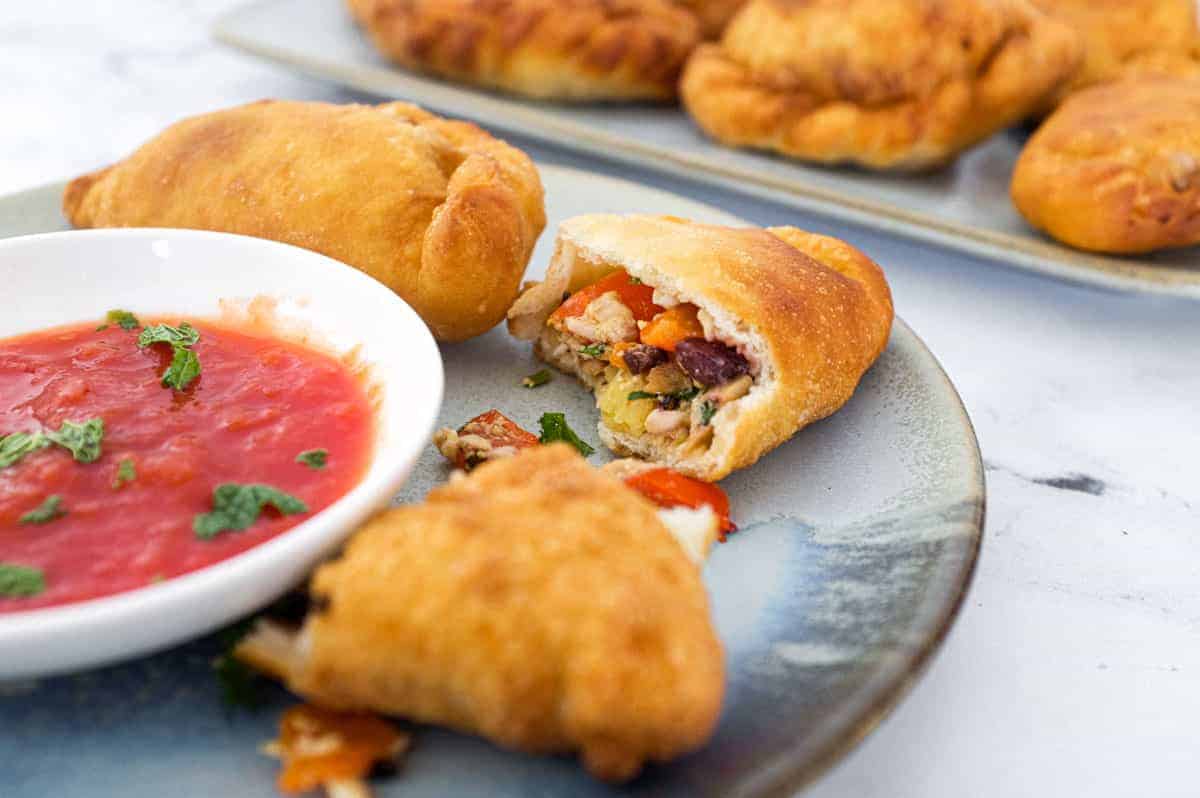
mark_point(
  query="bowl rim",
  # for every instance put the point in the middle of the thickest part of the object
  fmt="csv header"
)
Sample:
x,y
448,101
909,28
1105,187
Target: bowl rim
x,y
385,472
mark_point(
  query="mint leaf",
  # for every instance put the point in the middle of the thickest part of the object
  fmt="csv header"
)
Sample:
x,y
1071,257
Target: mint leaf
x,y
707,411
15,446
184,368
636,395
126,472
185,365
123,319
19,581
594,350
237,507
47,511
183,335
82,439
555,428
313,458
537,378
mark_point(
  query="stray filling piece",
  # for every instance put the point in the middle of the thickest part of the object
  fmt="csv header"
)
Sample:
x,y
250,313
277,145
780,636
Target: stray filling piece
x,y
493,435
337,751
657,368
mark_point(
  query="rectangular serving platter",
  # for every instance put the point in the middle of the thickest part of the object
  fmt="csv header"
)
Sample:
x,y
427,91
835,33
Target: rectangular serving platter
x,y
963,208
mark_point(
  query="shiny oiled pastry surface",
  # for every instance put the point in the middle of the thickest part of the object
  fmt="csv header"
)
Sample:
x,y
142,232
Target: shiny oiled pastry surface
x,y
547,49
888,84
439,211
1117,167
1129,37
537,602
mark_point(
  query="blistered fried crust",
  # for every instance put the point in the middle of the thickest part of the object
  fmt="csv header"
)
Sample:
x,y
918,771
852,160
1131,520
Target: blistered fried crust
x,y
1117,168
537,602
439,211
887,84
547,49
714,15
811,313
1127,38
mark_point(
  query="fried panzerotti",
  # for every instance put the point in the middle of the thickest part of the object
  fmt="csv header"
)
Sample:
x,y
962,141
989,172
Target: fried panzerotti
x,y
714,15
1128,38
439,211
706,346
547,49
887,84
1117,168
536,602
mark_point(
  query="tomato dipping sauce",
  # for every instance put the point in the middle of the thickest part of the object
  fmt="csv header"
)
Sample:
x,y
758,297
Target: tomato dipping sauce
x,y
126,519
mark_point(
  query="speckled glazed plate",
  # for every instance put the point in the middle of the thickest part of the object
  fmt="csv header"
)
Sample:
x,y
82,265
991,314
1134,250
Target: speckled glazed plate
x,y
964,208
857,543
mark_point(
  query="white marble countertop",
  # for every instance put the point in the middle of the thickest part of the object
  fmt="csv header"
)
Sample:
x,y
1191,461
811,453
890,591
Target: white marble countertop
x,y
1074,667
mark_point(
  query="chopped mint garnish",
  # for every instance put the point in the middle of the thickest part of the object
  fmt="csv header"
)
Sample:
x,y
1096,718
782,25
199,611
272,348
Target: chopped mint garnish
x,y
314,458
237,507
19,581
44,513
555,428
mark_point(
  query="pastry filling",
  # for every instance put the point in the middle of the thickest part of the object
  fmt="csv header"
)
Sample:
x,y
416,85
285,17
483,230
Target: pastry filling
x,y
656,366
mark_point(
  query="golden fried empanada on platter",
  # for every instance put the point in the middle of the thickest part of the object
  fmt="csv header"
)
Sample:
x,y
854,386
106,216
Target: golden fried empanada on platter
x,y
885,84
576,50
1127,38
1117,167
714,15
537,602
774,328
439,211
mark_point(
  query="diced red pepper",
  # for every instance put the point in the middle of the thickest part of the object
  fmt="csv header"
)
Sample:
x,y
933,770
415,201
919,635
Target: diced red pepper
x,y
671,326
499,430
636,296
668,488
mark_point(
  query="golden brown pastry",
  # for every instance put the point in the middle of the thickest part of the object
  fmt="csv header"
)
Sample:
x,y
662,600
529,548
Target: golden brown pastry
x,y
1124,38
706,346
1117,167
714,15
439,211
537,602
887,84
547,49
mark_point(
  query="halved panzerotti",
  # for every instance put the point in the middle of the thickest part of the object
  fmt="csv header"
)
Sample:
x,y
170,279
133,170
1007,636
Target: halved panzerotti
x,y
706,346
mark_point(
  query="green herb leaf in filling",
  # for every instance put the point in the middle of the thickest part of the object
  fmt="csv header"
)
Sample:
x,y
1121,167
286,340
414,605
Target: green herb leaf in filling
x,y
707,411
555,428
594,350
20,581
237,507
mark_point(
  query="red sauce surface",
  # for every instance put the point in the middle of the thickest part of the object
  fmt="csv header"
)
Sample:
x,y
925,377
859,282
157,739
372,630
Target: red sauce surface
x,y
258,403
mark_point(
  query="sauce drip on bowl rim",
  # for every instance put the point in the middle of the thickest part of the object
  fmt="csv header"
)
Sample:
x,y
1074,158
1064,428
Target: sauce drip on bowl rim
x,y
127,476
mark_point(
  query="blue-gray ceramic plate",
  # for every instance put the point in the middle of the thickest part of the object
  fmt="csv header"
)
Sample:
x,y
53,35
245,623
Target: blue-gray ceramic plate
x,y
856,545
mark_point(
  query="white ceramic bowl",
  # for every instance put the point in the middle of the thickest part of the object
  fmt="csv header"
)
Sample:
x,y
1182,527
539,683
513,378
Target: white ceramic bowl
x,y
61,278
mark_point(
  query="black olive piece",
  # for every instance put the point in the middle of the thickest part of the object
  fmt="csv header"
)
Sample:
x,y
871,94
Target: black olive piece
x,y
710,362
640,358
